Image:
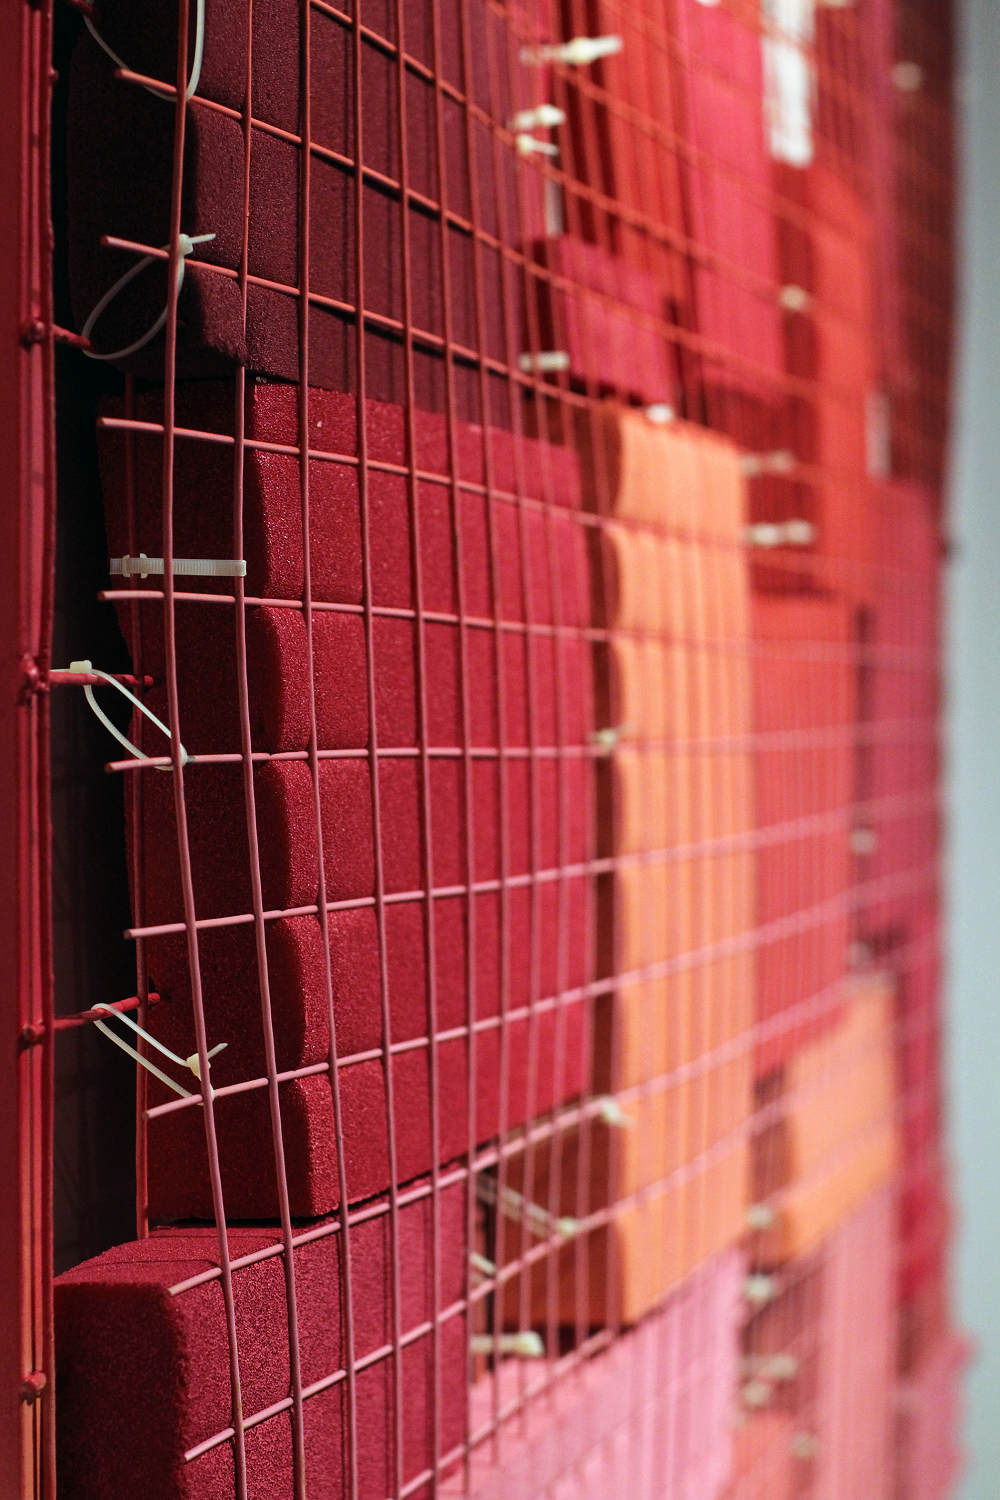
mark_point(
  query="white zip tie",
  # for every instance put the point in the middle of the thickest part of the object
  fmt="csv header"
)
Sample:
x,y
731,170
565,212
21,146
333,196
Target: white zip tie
x,y
760,1216
524,1345
193,1062
199,49
88,667
481,1264
545,117
759,1289
578,53
184,567
547,362
756,1393
779,462
794,533
529,145
186,244
606,740
516,1207
611,1113
794,298
659,414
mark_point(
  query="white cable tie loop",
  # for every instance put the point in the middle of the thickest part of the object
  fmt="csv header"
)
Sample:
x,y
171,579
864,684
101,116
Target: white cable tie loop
x,y
546,362
480,1264
185,244
578,53
89,668
514,1206
544,117
522,1345
184,567
199,52
530,145
193,1063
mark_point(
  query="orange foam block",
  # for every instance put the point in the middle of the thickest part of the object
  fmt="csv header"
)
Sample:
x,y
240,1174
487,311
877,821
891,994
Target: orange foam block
x,y
836,1137
671,1042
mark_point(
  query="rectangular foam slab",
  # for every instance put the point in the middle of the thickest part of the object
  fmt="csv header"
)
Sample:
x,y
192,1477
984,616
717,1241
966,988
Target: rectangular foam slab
x,y
606,316
648,1416
837,1139
144,1373
806,687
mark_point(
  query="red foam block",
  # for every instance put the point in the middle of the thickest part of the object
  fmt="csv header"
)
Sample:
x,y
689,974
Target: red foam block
x,y
144,1376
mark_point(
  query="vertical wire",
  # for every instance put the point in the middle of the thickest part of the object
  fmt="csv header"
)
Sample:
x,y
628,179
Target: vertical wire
x,y
137,788
412,461
187,886
39,738
467,789
246,745
302,435
373,760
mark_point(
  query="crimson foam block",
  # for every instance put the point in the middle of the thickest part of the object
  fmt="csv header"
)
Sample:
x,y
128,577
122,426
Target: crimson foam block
x,y
729,187
120,164
533,815
144,1376
805,696
606,322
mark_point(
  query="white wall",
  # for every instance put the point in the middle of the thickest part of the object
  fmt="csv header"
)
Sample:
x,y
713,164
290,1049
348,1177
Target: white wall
x,y
974,735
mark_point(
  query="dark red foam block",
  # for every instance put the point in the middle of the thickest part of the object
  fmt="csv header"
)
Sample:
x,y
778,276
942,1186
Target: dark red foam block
x,y
144,1376
527,947
607,322
123,189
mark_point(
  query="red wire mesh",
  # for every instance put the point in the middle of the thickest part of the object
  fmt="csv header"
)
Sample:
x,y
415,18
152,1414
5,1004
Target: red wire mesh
x,y
549,820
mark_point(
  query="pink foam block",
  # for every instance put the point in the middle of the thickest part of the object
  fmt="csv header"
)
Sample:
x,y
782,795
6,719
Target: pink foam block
x,y
854,1410
648,1417
931,1456
144,1376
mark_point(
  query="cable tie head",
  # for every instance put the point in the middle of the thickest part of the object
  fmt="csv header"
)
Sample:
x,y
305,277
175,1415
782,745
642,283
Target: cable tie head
x,y
760,1216
526,1345
543,117
610,1112
794,298
529,145
578,53
659,413
759,1289
546,362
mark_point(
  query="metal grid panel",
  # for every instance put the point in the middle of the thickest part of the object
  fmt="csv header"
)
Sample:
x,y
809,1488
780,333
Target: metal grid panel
x,y
852,765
